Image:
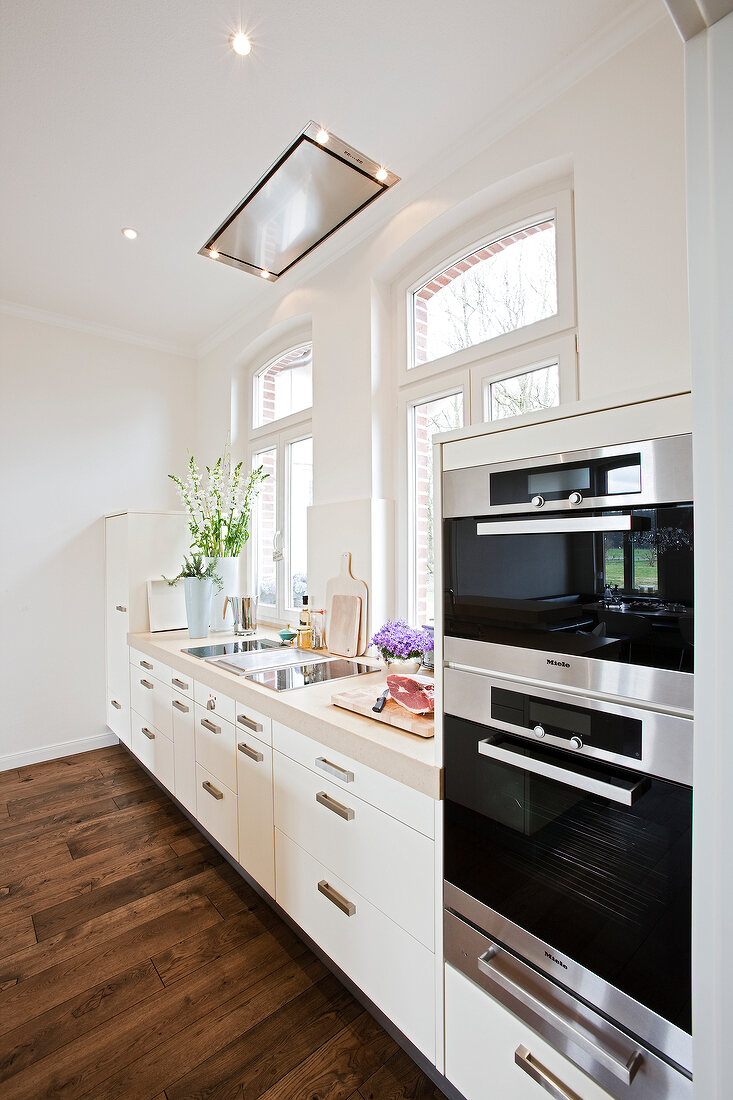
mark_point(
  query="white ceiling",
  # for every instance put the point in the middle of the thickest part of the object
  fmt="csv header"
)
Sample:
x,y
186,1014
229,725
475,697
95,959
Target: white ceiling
x,y
137,112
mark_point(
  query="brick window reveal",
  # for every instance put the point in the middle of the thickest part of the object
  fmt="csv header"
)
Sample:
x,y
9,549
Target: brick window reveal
x,y
284,386
503,286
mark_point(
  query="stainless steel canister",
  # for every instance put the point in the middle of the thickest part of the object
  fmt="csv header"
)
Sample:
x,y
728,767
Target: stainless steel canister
x,y
245,613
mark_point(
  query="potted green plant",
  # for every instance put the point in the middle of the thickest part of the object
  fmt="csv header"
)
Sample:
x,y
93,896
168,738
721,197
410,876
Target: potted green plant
x,y
199,580
219,505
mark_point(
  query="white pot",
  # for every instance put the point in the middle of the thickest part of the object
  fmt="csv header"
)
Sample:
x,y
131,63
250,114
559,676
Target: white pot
x,y
401,666
198,592
228,570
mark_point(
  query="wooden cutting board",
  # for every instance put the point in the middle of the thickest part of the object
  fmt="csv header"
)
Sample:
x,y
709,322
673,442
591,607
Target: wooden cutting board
x,y
343,631
362,701
345,584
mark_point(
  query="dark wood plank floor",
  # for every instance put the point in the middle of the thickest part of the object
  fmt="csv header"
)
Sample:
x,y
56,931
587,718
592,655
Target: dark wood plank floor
x,y
134,961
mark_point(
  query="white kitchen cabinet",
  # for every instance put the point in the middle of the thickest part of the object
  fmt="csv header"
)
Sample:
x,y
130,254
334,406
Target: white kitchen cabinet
x,y
184,749
216,809
484,1043
255,811
139,546
216,745
154,750
395,971
385,860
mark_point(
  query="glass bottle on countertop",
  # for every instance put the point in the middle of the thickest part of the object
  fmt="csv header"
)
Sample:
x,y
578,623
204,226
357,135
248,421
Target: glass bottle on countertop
x,y
305,615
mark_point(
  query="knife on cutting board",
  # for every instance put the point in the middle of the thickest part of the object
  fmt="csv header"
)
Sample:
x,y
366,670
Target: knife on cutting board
x,y
379,705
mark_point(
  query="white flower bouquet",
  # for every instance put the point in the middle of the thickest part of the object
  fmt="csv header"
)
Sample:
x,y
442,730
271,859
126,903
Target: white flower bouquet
x,y
219,504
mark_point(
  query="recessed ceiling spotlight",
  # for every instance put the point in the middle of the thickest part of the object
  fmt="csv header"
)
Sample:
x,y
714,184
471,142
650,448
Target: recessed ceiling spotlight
x,y
214,254
129,233
264,274
241,44
381,175
322,136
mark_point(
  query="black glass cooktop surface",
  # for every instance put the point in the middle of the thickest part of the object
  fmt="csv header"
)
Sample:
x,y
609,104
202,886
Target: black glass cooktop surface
x,y
297,676
226,649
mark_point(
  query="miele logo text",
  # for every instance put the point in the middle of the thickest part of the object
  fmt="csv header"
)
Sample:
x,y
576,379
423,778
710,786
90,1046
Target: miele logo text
x,y
558,664
349,154
558,961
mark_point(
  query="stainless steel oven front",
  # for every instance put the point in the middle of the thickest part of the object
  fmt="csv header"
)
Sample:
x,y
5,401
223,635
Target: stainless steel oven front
x,y
576,569
568,872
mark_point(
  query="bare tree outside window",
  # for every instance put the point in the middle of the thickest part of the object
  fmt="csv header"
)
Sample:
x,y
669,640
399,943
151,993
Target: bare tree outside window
x,y
503,286
523,393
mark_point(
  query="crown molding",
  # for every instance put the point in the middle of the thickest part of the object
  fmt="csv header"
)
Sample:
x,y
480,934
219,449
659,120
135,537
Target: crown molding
x,y
92,328
637,20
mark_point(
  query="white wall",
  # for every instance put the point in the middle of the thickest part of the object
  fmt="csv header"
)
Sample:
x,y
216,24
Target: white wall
x,y
89,425
618,133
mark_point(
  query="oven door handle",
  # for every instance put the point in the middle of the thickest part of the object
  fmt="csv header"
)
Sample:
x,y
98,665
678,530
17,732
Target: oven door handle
x,y
624,794
493,964
561,526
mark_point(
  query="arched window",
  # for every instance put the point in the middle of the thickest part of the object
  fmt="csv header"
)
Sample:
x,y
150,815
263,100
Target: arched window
x,y
283,386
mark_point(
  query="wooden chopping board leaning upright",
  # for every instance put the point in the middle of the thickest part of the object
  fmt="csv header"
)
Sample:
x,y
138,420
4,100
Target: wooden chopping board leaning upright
x,y
347,612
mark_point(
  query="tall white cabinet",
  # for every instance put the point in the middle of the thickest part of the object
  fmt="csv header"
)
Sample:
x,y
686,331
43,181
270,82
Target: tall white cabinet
x,y
139,546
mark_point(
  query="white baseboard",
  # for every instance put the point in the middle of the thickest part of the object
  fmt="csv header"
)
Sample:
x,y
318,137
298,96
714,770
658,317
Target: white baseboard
x,y
53,752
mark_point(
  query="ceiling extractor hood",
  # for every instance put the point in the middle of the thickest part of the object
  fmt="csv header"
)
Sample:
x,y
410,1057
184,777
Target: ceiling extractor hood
x,y
316,186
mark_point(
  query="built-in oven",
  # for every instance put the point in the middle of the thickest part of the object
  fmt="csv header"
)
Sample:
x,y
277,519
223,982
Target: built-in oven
x,y
576,569
568,872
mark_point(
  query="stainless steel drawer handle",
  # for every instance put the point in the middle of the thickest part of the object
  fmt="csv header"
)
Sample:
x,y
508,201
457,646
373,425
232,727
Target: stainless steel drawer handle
x,y
596,525
180,706
147,665
119,607
250,723
335,807
491,963
333,769
338,900
544,1078
147,684
626,794
115,704
148,733
179,683
210,726
211,789
253,754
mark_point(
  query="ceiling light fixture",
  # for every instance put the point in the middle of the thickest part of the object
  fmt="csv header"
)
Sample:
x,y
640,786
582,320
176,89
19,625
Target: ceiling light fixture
x,y
131,234
305,196
214,254
241,44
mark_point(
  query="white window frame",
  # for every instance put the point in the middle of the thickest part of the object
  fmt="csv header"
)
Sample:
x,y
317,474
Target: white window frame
x,y
558,205
418,394
283,612
284,422
468,370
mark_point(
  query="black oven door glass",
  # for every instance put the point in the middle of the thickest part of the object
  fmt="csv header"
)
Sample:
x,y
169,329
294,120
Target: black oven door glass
x,y
605,884
546,583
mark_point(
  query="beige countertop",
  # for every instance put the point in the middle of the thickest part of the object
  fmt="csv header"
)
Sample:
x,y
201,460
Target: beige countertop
x,y
405,757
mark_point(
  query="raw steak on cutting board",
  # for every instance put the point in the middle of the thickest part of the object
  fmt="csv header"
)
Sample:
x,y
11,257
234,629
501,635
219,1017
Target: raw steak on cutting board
x,y
415,695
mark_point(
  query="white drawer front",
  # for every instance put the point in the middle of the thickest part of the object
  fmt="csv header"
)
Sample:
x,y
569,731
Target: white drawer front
x,y
118,717
481,1038
180,682
149,666
153,750
254,796
214,701
216,746
249,720
386,861
393,969
184,749
404,803
216,809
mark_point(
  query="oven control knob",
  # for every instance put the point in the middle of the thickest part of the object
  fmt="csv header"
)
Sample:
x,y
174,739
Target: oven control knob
x,y
539,731
538,501
575,498
576,742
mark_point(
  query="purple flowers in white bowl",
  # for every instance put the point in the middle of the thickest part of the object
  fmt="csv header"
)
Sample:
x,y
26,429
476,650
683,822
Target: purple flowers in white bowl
x,y
398,641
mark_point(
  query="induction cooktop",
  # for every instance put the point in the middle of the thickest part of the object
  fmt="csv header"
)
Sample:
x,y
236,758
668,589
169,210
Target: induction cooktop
x,y
227,649
297,676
